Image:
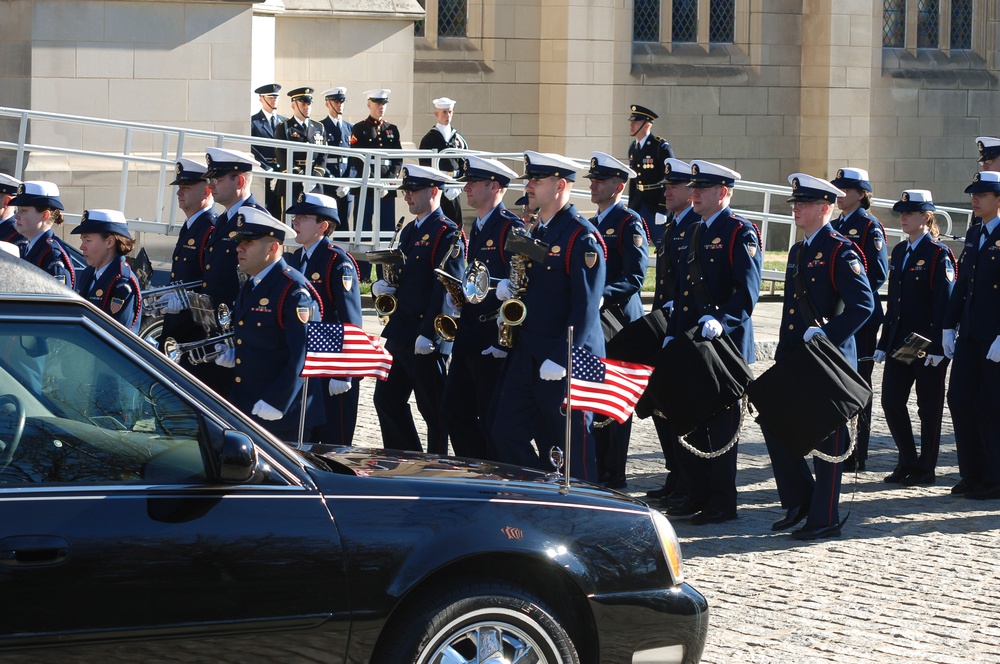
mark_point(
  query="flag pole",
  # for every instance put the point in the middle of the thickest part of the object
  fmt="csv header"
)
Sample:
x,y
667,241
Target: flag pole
x,y
569,405
302,412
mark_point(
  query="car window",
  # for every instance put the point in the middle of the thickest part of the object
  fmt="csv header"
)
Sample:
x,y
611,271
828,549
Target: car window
x,y
76,409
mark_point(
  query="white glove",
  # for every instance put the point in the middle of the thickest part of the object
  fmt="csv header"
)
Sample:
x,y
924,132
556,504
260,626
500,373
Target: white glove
x,y
382,287
933,360
227,358
266,411
551,371
451,193
495,352
710,327
338,386
948,343
879,356
993,354
170,303
667,340
423,346
382,193
342,191
503,290
669,306
812,332
660,219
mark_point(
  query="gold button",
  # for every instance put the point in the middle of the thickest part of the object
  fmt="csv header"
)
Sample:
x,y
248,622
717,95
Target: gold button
x,y
685,292
208,267
791,327
239,342
238,361
661,281
258,323
813,279
685,308
240,323
238,379
791,311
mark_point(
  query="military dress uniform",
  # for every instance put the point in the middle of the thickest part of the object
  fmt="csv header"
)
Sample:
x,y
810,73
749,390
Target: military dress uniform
x,y
382,135
115,292
47,253
842,297
974,308
435,140
333,274
294,161
264,127
645,191
475,370
921,279
420,298
727,249
338,134
9,233
868,234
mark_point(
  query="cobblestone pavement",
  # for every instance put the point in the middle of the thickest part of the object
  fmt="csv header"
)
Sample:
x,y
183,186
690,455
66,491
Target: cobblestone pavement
x,y
913,578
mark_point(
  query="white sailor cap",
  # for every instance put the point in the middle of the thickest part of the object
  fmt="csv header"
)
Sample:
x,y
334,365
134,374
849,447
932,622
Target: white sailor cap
x,y
989,147
604,166
38,194
984,181
189,171
221,161
380,95
444,103
548,164
421,177
706,174
852,178
676,171
8,185
336,94
252,223
480,168
102,221
808,188
914,200
320,205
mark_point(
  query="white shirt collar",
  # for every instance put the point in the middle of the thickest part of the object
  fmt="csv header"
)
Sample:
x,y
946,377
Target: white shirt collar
x,y
446,130
231,212
263,273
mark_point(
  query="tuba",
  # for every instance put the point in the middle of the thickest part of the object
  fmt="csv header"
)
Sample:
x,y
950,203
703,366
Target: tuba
x,y
444,325
203,351
385,304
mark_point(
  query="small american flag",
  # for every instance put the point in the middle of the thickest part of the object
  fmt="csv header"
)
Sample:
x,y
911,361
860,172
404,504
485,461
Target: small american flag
x,y
344,351
607,387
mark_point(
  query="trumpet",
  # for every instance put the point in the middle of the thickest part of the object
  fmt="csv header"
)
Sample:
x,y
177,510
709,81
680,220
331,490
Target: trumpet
x,y
385,304
149,297
203,351
446,326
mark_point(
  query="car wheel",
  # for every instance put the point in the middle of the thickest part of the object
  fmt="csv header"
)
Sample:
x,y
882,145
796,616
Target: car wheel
x,y
485,622
151,330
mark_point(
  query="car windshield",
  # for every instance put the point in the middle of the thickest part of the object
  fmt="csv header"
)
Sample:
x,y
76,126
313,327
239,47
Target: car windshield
x,y
75,408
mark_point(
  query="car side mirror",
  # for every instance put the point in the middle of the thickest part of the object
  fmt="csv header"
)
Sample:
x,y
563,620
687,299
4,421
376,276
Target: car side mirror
x,y
238,458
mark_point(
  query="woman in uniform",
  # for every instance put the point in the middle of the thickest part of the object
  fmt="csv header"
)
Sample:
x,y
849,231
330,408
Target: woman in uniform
x,y
39,210
921,278
108,282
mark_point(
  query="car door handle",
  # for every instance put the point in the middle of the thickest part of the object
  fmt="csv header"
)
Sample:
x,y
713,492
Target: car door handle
x,y
33,550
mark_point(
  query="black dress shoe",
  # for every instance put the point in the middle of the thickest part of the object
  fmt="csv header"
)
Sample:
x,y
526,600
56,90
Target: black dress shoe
x,y
897,475
792,517
984,492
850,464
615,483
822,532
962,487
711,516
659,494
674,499
687,508
919,477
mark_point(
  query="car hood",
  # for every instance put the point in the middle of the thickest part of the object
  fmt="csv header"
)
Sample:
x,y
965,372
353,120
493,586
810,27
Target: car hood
x,y
453,472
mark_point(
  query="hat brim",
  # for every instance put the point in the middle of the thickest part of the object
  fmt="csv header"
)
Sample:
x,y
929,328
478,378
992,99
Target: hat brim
x,y
27,200
913,206
847,183
806,199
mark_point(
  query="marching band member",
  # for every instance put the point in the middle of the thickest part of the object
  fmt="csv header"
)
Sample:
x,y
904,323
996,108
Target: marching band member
x,y
563,290
38,211
108,282
921,278
477,358
334,276
842,298
419,361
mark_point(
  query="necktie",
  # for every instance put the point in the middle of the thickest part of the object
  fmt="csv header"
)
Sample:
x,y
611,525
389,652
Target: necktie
x,y
906,256
983,237
305,262
274,123
539,232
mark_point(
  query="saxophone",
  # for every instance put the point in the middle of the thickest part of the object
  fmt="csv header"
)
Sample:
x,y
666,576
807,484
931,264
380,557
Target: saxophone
x,y
513,312
444,325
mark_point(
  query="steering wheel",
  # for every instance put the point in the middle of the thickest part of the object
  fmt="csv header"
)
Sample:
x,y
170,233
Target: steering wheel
x,y
11,406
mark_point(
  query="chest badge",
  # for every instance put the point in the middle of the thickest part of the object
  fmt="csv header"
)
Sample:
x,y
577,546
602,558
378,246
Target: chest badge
x,y
99,292
315,276
264,302
489,243
191,241
555,249
425,237
921,261
853,231
818,256
610,231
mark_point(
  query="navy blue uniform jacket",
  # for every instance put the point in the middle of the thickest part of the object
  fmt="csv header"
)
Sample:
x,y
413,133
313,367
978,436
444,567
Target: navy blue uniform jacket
x,y
835,276
292,130
49,255
116,292
259,126
340,137
648,165
918,294
867,233
334,275
624,234
668,255
487,247
270,335
731,261
420,295
975,302
8,233
221,278
565,289
372,133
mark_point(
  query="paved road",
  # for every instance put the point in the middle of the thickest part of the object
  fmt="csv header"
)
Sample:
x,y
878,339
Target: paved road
x,y
913,578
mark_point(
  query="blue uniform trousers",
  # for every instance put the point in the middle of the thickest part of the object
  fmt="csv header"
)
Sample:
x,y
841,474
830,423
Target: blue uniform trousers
x,y
866,340
612,441
796,485
971,396
671,451
897,381
422,376
711,483
341,415
468,394
531,409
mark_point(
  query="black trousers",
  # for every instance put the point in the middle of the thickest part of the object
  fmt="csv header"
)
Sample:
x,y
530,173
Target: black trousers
x,y
972,390
898,379
423,377
866,340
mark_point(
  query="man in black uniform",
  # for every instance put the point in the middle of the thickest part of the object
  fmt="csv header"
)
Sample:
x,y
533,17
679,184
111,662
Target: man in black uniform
x,y
338,134
300,129
263,123
375,132
646,156
443,136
